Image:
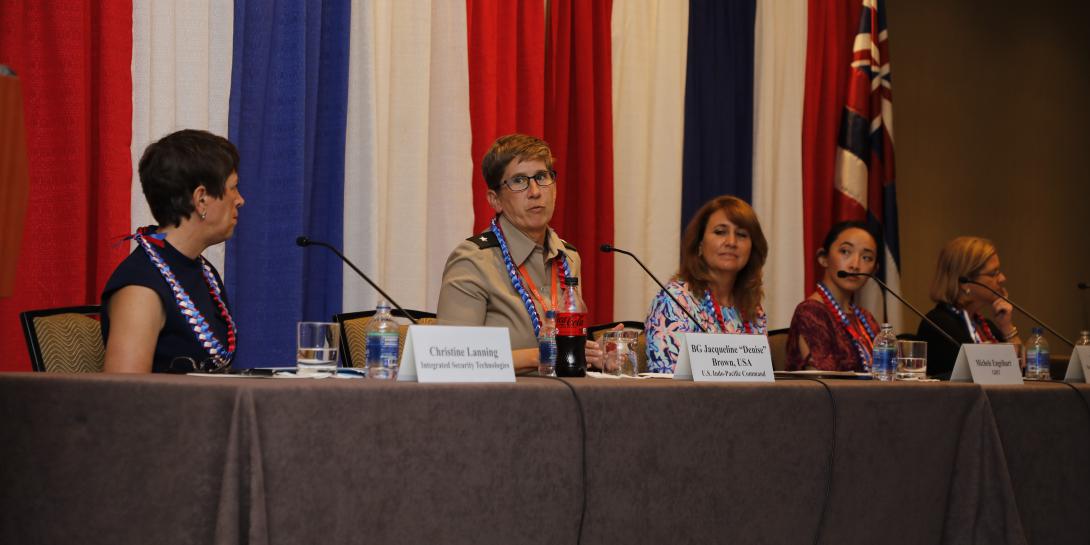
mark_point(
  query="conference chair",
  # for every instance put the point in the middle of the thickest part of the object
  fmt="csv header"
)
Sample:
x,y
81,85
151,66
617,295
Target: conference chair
x,y
354,332
64,340
777,345
595,332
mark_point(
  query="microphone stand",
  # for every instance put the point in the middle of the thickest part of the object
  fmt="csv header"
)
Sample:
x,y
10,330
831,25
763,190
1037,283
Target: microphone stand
x,y
966,280
304,241
885,288
607,248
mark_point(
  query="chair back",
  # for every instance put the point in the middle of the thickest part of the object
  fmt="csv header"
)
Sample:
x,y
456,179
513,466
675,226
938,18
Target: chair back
x,y
777,345
595,332
64,340
354,332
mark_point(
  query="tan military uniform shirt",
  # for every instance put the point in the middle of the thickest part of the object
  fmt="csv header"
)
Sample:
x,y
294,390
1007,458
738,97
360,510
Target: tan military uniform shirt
x,y
477,291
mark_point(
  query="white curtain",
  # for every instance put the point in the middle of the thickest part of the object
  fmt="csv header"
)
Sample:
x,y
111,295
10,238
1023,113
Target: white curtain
x,y
181,75
779,83
649,52
408,200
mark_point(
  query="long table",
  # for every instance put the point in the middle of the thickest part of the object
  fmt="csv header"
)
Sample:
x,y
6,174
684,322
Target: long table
x,y
179,459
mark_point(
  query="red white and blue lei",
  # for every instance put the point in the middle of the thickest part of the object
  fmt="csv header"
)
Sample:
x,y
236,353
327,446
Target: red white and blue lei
x,y
147,239
830,301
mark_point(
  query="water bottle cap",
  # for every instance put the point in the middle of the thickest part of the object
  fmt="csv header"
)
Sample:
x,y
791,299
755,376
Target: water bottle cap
x,y
383,305
550,314
571,281
887,325
1038,331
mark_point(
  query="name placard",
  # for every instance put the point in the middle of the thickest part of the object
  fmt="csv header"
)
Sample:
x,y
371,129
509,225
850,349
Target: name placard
x,y
1079,366
722,357
436,353
987,364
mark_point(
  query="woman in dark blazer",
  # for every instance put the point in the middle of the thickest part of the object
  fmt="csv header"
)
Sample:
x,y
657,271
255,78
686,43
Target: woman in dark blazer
x,y
961,310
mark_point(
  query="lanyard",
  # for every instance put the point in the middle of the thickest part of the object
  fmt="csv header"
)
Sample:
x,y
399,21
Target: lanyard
x,y
557,270
745,326
515,277
978,328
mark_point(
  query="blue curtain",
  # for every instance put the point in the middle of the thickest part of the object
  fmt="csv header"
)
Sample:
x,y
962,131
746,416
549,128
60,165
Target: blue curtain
x,y
289,89
718,154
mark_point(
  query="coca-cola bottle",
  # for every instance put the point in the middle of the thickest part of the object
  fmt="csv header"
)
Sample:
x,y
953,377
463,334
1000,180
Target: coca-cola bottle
x,y
571,332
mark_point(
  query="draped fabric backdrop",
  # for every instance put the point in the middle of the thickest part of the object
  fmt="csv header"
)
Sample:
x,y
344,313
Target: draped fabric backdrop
x,y
718,155
579,128
74,61
780,72
288,86
362,123
506,80
649,45
181,78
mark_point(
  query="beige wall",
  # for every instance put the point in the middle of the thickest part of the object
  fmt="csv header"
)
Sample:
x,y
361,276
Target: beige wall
x,y
991,120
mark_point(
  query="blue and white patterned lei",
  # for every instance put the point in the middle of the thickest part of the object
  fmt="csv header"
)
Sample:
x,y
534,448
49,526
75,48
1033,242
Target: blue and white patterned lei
x,y
512,273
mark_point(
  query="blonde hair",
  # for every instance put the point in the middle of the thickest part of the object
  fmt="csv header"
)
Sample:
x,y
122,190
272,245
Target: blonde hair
x,y
962,256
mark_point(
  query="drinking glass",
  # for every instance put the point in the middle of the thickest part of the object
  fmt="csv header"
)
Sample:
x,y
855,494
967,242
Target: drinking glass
x,y
619,352
911,360
318,347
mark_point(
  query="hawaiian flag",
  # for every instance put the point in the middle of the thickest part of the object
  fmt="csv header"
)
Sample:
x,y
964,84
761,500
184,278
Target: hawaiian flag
x,y
864,175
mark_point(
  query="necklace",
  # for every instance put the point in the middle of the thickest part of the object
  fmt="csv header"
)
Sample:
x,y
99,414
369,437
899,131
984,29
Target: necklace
x,y
205,337
863,343
747,327
516,280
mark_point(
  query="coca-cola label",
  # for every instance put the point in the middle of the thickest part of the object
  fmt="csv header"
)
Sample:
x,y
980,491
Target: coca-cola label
x,y
571,324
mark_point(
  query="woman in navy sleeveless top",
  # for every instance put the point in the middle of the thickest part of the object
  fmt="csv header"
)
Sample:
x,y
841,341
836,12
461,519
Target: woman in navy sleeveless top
x,y
165,305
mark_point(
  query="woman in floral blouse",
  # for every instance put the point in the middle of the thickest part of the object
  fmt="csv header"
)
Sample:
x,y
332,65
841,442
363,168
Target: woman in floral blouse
x,y
718,281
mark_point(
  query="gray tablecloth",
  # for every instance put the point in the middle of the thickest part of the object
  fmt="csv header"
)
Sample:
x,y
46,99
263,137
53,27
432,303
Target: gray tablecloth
x,y
169,459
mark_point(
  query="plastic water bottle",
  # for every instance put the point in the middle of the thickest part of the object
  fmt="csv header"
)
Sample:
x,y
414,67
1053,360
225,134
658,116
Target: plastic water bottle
x,y
884,364
382,340
1084,338
546,346
1037,353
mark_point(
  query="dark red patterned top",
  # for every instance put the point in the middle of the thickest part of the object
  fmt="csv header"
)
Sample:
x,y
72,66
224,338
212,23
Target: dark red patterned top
x,y
830,345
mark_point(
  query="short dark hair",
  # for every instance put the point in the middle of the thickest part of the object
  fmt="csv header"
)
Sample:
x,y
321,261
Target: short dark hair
x,y
508,148
749,286
175,166
840,227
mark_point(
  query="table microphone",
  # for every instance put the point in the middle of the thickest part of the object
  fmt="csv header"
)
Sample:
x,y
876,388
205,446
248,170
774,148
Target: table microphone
x,y
607,248
1084,286
305,241
845,274
966,280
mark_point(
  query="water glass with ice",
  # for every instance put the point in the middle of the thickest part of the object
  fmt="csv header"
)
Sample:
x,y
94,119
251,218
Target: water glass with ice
x,y
911,360
318,347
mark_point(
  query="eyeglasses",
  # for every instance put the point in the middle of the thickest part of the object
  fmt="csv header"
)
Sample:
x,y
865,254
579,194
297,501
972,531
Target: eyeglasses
x,y
545,178
185,364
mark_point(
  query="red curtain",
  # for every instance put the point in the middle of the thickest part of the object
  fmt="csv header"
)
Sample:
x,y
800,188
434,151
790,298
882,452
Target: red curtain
x,y
579,127
74,60
506,80
831,30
